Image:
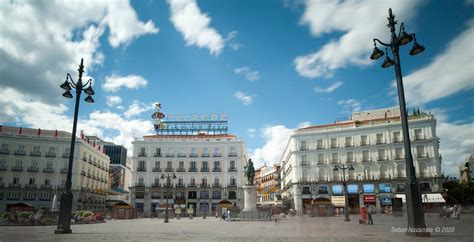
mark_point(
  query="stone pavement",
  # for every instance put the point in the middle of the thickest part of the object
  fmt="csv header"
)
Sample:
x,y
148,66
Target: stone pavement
x,y
385,228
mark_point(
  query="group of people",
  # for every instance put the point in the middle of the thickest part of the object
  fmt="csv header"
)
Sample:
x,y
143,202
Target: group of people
x,y
225,215
451,212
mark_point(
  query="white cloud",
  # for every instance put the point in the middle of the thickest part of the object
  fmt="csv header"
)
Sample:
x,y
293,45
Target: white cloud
x,y
114,83
456,142
188,19
304,124
276,138
329,89
113,100
136,108
351,104
246,99
360,22
247,73
449,72
230,41
64,32
251,132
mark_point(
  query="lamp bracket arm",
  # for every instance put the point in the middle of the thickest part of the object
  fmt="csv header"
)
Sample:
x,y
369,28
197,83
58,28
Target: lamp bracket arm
x,y
382,43
89,82
72,81
402,28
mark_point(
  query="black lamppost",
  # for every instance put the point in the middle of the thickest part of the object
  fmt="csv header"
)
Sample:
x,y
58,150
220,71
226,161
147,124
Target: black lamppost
x,y
168,185
416,219
346,200
64,222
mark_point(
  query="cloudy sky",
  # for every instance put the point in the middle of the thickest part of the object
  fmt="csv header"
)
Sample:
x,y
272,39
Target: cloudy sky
x,y
271,66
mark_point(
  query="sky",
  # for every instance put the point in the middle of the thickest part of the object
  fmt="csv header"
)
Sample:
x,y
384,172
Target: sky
x,y
271,66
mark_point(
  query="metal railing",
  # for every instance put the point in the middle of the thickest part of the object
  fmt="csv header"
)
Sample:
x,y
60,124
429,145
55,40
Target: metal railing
x,y
35,153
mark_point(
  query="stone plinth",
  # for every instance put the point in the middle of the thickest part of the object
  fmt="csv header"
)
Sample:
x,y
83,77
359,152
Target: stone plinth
x,y
250,198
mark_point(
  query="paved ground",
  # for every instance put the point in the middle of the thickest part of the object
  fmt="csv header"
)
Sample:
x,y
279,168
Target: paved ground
x,y
291,229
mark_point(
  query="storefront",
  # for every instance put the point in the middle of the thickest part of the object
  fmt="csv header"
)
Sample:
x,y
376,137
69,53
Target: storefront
x,y
385,197
432,202
322,206
369,195
338,199
353,198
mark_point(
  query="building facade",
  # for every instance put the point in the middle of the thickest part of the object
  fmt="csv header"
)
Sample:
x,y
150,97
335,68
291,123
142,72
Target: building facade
x,y
208,169
372,143
34,165
267,179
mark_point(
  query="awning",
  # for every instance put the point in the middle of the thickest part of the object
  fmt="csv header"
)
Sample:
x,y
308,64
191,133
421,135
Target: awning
x,y
225,204
338,201
369,199
425,198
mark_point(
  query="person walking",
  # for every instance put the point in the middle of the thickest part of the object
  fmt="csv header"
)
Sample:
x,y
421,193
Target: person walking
x,y
369,215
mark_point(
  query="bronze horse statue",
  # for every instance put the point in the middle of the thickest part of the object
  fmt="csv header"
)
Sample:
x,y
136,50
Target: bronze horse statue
x,y
249,172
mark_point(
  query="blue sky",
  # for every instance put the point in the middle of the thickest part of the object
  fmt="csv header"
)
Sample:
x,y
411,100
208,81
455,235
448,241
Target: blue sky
x,y
272,66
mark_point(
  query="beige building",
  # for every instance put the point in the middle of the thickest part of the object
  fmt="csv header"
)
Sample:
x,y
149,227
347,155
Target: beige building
x,y
208,169
372,143
267,179
34,164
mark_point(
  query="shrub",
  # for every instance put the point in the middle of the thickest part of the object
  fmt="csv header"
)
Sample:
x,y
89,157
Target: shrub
x,y
83,213
24,214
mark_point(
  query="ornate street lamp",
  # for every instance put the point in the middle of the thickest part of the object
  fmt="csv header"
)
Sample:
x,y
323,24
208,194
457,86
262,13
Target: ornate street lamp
x,y
346,200
168,185
64,222
416,219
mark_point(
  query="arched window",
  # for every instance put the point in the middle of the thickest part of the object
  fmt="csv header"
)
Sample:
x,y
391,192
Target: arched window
x,y
383,172
401,171
216,180
367,173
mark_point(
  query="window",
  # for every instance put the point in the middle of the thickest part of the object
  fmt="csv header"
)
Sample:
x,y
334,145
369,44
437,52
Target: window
x,y
47,181
320,144
142,151
18,163
320,158
205,151
169,165
350,156
21,148
32,181
335,157
381,153
156,182
216,194
232,195
216,180
193,151
192,182
193,165
204,165
36,149
204,181
233,181
141,181
181,165
333,142
379,138
418,134
348,141
158,152
304,160
141,165
51,150
157,164
180,181
232,164
192,195
398,153
216,164
397,137
420,151
16,180
365,155
29,196
303,145
204,195
363,140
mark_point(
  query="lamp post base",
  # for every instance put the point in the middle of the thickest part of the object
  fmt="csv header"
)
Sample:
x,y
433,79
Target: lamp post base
x,y
166,220
64,222
347,219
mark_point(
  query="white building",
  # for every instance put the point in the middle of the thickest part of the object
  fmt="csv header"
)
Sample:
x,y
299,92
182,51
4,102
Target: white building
x,y
208,169
372,143
34,164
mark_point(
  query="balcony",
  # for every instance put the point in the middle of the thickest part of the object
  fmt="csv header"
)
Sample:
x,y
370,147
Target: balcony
x,y
35,153
180,185
232,169
156,185
422,155
380,142
141,169
193,155
181,155
66,155
205,155
141,185
321,163
169,155
11,185
141,154
205,169
232,185
63,170
17,168
364,143
216,169
349,145
350,161
334,161
181,169
204,185
20,152
157,155
397,140
46,186
169,169
217,155
192,169
4,151
399,157
84,158
48,170
303,148
333,146
33,169
216,185
232,154
381,158
156,169
89,175
305,163
30,186
366,159
419,137
192,185
50,154
83,173
320,147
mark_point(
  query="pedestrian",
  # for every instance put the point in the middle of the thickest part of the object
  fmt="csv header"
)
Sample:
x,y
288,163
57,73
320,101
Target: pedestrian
x,y
228,215
369,215
363,213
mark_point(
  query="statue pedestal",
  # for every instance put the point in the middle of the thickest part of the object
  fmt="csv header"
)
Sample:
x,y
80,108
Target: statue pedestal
x,y
250,198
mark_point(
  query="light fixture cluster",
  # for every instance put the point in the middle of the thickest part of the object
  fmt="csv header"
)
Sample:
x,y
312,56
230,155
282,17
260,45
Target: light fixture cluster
x,y
68,84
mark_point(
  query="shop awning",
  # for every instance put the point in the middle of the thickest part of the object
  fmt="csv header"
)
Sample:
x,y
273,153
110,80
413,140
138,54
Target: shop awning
x,y
225,204
425,198
338,201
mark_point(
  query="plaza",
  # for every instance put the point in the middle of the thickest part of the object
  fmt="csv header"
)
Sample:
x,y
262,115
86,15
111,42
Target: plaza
x,y
296,228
